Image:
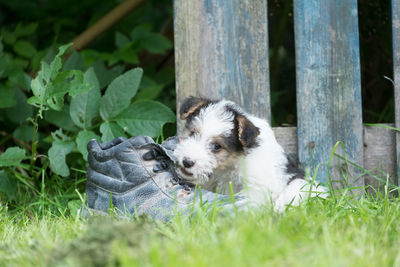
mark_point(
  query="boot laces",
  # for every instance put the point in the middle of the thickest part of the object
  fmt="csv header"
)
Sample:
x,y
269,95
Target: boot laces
x,y
187,186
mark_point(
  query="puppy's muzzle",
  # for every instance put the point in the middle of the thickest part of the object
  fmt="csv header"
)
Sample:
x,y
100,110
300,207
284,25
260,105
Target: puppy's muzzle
x,y
187,162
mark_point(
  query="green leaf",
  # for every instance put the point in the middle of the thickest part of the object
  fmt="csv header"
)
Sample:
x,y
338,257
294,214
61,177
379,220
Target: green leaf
x,y
68,81
12,157
37,58
140,32
83,139
153,42
110,131
121,40
24,133
124,54
1,46
64,81
8,37
50,53
85,107
7,99
56,64
24,49
34,101
60,118
74,62
149,89
21,79
10,66
105,75
42,84
22,110
156,43
90,57
5,60
26,30
7,185
57,154
56,102
73,82
145,118
119,93
39,84
59,135
3,66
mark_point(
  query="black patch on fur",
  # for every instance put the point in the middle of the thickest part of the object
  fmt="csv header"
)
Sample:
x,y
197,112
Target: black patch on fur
x,y
292,168
191,107
232,143
249,132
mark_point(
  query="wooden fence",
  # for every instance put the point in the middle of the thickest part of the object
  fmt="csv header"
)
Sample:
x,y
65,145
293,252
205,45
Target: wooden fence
x,y
221,51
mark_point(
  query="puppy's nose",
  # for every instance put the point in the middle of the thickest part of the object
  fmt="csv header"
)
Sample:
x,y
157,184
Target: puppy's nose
x,y
187,162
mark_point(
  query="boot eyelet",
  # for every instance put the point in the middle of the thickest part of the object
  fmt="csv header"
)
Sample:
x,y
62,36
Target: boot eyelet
x,y
187,188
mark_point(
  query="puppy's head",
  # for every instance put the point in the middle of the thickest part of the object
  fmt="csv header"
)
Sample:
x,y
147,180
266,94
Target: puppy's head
x,y
216,133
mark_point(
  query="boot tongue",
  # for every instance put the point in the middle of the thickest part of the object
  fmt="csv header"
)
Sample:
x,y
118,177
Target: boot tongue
x,y
169,146
165,149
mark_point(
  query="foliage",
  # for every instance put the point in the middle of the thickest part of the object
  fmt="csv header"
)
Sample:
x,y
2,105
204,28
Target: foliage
x,y
53,100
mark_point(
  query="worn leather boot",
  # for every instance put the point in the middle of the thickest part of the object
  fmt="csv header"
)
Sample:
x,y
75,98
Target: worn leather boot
x,y
136,176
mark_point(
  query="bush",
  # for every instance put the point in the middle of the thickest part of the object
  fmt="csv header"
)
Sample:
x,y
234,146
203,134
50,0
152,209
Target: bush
x,y
53,100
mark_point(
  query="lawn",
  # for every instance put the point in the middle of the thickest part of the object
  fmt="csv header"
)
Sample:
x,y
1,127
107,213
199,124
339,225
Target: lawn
x,y
339,231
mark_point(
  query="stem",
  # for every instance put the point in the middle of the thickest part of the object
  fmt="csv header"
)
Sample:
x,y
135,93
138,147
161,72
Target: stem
x,y
34,142
104,23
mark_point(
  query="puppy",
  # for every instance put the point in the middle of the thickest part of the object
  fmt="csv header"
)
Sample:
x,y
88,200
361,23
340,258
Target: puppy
x,y
222,144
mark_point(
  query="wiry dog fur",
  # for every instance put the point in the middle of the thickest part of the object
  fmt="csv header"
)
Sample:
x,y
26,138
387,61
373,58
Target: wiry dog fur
x,y
221,143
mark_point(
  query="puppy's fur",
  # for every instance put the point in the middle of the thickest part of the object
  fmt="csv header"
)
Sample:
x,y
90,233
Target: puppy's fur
x,y
221,143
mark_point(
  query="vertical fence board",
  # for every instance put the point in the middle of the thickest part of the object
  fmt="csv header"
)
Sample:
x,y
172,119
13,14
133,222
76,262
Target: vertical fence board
x,y
379,156
328,84
221,51
396,73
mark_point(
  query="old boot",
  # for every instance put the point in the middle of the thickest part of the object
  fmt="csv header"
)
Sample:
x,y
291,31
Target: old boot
x,y
136,176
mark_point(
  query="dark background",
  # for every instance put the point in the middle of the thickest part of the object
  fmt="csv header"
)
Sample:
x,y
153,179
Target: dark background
x,y
62,20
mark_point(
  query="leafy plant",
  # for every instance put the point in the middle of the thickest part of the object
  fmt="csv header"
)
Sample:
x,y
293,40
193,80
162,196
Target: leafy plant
x,y
113,114
53,100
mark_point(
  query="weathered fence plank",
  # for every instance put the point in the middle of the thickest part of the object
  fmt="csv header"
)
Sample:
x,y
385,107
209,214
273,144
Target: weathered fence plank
x,y
379,152
396,73
221,51
379,155
328,83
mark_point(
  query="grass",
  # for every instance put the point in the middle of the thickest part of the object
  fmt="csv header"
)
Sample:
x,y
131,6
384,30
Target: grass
x,y
339,231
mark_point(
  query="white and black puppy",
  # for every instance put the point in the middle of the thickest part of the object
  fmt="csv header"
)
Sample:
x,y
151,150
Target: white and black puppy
x,y
221,143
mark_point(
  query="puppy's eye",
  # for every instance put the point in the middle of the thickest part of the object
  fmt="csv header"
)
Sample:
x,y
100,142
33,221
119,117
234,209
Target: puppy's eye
x,y
216,147
191,133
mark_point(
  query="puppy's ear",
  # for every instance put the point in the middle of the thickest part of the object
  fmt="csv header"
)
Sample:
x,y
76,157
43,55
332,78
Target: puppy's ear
x,y
247,132
191,106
